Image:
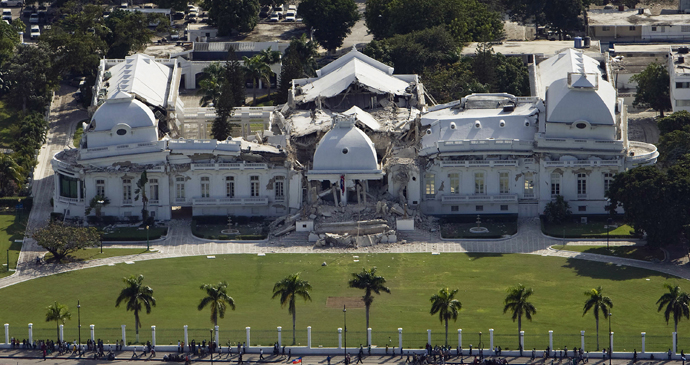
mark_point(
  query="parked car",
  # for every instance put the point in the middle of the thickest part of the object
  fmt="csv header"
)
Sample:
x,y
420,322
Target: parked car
x,y
179,15
33,19
7,3
290,16
7,15
124,5
292,7
35,31
274,18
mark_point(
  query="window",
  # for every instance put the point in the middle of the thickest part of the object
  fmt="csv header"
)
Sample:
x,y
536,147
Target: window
x,y
608,179
582,208
504,186
230,186
605,28
632,27
205,187
529,187
479,187
121,132
685,28
100,188
254,185
153,189
504,207
430,185
279,187
479,208
555,185
454,183
69,187
682,102
581,185
454,208
581,125
126,191
653,29
179,188
682,85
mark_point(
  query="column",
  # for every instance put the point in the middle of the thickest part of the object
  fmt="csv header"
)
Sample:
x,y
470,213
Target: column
x,y
522,340
62,332
340,338
400,339
459,338
248,336
643,335
675,341
491,340
93,335
551,340
217,334
428,336
582,340
186,336
7,333
31,333
308,337
124,337
280,337
153,335
368,336
611,342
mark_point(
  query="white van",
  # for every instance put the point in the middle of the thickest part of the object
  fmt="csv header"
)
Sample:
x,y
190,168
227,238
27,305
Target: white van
x,y
7,3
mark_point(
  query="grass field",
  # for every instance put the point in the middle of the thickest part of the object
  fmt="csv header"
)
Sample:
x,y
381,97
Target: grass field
x,y
9,125
482,279
95,253
630,252
595,228
78,132
11,228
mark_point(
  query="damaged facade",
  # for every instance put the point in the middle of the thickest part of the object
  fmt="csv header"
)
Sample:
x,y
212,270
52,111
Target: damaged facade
x,y
357,147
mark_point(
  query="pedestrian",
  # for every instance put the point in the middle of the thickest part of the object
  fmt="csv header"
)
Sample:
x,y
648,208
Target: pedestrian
x,y
470,350
283,350
669,354
289,354
534,353
408,358
635,356
261,354
401,352
328,359
359,360
239,359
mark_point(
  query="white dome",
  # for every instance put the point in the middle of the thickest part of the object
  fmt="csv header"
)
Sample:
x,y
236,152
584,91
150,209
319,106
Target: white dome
x,y
345,148
122,108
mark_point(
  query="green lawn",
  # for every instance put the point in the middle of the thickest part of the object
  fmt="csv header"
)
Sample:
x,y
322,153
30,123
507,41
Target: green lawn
x,y
78,132
95,253
134,234
481,278
11,228
630,252
595,228
9,125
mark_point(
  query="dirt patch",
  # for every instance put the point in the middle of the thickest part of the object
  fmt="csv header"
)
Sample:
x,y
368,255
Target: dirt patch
x,y
348,302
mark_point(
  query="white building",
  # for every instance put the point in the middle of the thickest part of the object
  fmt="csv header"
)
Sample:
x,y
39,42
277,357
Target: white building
x,y
679,76
637,25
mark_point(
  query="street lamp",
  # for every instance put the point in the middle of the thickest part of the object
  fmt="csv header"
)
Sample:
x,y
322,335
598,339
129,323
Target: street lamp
x,y
610,339
609,222
79,323
345,335
147,238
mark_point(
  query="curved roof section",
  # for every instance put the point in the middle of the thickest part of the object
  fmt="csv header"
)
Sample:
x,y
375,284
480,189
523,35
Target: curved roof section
x,y
345,148
567,105
122,108
557,67
141,75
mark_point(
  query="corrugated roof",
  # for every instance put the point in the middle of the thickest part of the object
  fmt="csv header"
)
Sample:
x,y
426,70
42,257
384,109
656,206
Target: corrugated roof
x,y
143,76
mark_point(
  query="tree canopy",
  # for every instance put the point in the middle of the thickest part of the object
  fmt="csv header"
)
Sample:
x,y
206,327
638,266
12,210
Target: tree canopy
x,y
332,20
61,239
227,15
653,88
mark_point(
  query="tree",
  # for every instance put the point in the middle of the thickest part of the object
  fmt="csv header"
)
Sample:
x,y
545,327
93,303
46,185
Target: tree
x,y
141,190
232,14
129,31
270,58
447,307
135,294
290,69
231,96
484,65
11,176
288,289
9,39
368,281
256,69
59,313
32,77
452,82
306,51
512,76
61,240
557,210
517,302
218,299
332,20
652,88
676,303
673,146
596,302
677,121
211,83
177,5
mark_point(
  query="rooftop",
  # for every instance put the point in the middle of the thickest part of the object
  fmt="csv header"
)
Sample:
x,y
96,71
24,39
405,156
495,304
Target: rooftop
x,y
546,48
635,49
681,53
633,17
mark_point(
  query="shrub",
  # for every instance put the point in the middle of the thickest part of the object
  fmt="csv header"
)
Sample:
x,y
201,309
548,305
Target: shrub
x,y
558,210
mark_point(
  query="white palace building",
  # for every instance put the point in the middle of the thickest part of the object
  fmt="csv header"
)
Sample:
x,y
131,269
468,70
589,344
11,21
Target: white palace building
x,y
358,134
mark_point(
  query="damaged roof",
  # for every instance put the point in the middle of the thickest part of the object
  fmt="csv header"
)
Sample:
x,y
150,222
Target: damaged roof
x,y
141,75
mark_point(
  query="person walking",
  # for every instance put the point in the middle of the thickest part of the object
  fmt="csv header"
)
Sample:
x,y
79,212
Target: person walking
x,y
261,354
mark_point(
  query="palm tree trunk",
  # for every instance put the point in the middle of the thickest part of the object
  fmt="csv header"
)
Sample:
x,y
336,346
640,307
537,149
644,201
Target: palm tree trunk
x,y
519,330
446,331
57,331
294,316
597,334
268,80
254,91
136,323
367,313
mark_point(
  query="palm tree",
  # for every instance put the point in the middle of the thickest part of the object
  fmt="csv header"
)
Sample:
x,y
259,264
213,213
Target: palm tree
x,y
10,172
447,307
370,282
289,288
269,57
597,302
677,302
135,293
59,313
516,302
210,87
217,297
257,69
